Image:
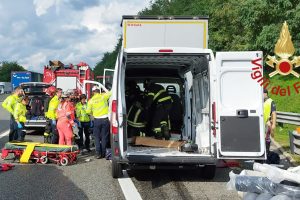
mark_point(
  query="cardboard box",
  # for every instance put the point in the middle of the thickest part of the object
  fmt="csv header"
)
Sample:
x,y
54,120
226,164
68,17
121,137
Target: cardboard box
x,y
151,142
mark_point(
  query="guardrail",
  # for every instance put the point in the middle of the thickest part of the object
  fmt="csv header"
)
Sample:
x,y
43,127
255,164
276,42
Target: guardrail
x,y
294,142
288,118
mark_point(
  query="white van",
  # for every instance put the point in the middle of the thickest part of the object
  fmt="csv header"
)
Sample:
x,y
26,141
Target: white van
x,y
222,105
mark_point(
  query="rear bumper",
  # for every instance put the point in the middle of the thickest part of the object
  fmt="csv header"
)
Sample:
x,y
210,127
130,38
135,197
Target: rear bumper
x,y
168,162
35,123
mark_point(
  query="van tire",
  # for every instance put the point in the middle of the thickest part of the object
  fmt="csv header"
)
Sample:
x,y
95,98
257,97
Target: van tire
x,y
116,169
208,172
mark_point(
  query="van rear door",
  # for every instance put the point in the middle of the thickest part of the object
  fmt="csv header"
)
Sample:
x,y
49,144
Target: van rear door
x,y
240,132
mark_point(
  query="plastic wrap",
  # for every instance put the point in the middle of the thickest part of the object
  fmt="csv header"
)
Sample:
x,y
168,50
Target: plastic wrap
x,y
275,174
256,184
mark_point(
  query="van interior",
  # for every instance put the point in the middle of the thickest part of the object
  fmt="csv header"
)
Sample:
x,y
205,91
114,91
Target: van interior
x,y
186,79
37,96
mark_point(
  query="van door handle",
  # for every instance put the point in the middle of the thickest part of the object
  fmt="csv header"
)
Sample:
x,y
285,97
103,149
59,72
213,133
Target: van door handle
x,y
242,113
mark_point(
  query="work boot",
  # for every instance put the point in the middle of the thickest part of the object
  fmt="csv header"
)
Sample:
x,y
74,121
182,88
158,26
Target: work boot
x,y
158,135
165,132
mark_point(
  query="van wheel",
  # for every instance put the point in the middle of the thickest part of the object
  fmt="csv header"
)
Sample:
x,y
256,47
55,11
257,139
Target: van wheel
x,y
209,171
116,169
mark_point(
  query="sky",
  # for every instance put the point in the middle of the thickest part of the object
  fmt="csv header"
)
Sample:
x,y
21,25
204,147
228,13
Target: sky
x,y
32,32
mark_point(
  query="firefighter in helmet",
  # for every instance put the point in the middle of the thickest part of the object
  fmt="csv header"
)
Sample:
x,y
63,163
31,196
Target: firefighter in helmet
x,y
160,103
136,114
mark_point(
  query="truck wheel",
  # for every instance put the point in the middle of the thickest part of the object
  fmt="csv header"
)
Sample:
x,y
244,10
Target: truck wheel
x,y
209,171
116,169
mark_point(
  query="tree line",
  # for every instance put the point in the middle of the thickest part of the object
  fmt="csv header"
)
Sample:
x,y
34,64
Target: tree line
x,y
234,25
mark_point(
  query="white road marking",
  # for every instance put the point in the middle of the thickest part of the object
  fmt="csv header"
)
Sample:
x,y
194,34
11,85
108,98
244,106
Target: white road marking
x,y
129,190
3,134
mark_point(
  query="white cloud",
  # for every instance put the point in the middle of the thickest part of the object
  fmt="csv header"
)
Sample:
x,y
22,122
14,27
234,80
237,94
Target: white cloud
x,y
68,30
34,62
41,6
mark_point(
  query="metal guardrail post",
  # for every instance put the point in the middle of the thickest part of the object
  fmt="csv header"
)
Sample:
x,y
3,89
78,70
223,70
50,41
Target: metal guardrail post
x,y
294,142
291,142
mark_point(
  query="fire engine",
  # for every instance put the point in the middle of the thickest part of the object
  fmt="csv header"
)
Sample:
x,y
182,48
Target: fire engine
x,y
69,77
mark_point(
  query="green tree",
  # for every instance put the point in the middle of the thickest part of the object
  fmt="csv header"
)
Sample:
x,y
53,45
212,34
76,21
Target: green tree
x,y
6,68
234,25
108,60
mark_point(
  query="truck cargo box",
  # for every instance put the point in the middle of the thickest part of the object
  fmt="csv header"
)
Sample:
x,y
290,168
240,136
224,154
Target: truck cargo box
x,y
24,77
141,31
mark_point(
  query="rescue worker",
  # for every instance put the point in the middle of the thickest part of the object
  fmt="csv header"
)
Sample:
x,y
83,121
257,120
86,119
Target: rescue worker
x,y
83,123
51,115
98,108
269,118
20,117
160,103
136,120
132,93
134,104
50,94
9,104
65,120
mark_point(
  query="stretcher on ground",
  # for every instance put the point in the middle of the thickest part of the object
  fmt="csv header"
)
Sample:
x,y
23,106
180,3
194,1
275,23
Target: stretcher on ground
x,y
41,152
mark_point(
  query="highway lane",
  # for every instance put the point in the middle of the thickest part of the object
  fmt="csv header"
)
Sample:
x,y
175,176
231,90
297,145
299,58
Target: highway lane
x,y
92,180
4,119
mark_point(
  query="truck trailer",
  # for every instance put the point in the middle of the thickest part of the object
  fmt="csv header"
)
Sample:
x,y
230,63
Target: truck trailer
x,y
5,88
222,107
18,77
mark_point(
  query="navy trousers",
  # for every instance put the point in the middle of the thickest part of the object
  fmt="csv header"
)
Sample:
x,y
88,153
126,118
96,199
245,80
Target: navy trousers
x,y
12,129
85,128
20,133
54,138
101,134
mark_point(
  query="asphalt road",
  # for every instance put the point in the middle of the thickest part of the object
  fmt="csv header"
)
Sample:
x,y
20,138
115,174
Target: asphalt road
x,y
4,116
91,179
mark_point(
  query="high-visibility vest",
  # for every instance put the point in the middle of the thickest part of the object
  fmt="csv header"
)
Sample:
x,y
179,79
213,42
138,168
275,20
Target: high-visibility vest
x,y
53,104
267,109
81,112
135,117
98,105
10,102
20,112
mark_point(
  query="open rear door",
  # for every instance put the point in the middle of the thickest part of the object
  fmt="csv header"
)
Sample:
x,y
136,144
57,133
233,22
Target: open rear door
x,y
240,132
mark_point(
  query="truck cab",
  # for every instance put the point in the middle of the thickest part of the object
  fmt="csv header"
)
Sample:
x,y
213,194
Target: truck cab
x,y
221,105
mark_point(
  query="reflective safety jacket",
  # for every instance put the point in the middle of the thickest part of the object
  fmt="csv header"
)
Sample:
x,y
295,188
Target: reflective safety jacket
x,y
20,112
81,112
53,104
267,109
65,112
98,105
136,116
10,102
157,94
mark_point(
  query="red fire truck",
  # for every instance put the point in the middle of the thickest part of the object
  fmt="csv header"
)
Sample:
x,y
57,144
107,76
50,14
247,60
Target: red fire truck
x,y
69,77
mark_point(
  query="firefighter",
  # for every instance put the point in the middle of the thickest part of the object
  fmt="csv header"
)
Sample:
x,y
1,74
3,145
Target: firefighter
x,y
65,120
160,103
135,111
20,117
50,92
132,93
51,115
9,104
83,123
136,120
98,108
